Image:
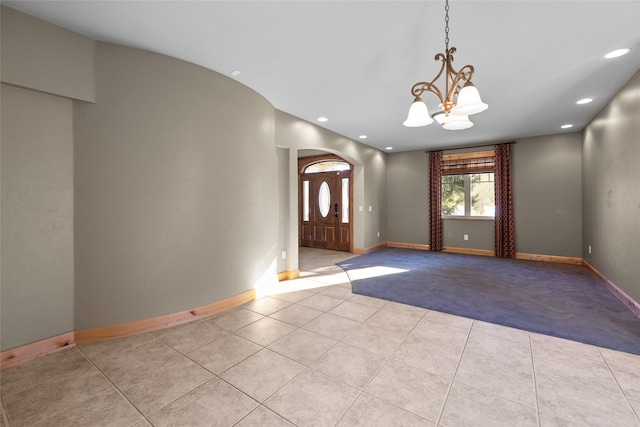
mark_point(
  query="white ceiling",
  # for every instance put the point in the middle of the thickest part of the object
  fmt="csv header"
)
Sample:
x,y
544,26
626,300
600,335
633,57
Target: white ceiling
x,y
355,61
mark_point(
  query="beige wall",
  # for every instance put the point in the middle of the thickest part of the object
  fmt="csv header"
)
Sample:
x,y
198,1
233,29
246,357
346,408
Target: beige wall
x,y
176,189
611,190
547,199
37,216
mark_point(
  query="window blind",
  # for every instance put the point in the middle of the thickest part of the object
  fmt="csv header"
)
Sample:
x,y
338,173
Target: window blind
x,y
467,165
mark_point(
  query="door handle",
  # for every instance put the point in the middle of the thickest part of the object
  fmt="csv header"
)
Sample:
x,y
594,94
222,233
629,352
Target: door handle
x,y
335,208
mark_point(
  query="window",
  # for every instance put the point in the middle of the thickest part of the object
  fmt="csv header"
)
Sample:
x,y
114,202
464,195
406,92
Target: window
x,y
305,200
345,200
327,166
324,199
468,185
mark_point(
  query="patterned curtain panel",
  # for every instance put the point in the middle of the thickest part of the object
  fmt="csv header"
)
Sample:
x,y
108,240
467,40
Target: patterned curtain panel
x,y
505,232
435,200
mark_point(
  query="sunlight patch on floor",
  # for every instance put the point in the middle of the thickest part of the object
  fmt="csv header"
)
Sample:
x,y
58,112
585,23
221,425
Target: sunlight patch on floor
x,y
375,271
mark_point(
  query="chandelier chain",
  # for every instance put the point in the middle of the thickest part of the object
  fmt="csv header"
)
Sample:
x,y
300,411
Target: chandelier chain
x,y
446,26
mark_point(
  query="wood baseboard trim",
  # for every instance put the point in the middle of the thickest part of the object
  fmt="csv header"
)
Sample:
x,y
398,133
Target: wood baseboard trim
x,y
417,246
632,304
288,275
488,252
469,251
362,251
549,258
25,353
122,330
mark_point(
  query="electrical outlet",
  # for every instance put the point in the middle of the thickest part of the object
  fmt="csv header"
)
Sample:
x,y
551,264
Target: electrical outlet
x,y
378,234
589,249
284,254
466,237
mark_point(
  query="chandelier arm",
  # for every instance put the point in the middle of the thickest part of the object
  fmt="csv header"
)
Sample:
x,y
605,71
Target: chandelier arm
x,y
421,87
458,79
442,58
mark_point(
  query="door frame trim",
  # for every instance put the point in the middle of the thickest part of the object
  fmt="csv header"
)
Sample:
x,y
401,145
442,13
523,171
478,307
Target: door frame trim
x,y
303,162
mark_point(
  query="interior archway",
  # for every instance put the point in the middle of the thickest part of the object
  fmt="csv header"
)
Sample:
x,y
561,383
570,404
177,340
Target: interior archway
x,y
325,202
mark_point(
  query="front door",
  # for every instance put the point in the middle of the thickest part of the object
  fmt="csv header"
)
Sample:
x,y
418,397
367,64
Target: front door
x,y
325,210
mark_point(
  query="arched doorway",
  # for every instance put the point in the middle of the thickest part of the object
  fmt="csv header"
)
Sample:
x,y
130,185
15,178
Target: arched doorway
x,y
325,197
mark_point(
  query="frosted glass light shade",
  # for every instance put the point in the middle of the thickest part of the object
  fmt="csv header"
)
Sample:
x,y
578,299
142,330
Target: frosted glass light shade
x,y
468,101
440,117
418,114
455,122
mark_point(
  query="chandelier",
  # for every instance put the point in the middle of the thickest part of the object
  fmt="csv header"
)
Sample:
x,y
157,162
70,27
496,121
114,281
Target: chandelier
x,y
459,99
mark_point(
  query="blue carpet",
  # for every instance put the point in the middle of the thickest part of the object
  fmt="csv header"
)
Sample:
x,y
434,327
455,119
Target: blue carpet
x,y
555,299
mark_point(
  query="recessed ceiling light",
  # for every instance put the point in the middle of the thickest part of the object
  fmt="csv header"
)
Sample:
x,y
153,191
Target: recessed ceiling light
x,y
584,101
389,148
617,52
235,73
567,126
322,119
363,137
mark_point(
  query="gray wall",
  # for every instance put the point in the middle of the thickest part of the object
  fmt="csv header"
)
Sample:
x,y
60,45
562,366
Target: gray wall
x,y
283,208
36,180
547,195
611,190
41,56
408,197
369,178
547,191
176,196
37,216
160,197
176,189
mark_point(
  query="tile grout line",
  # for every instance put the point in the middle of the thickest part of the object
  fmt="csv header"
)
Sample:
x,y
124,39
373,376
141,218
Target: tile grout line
x,y
535,382
293,288
307,366
341,341
626,398
215,376
492,393
106,390
287,357
384,364
453,378
380,368
593,387
154,338
5,414
120,392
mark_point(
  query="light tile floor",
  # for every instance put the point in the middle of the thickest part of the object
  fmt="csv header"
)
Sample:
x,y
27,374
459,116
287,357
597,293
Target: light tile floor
x,y
310,353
